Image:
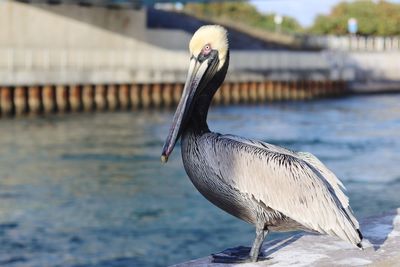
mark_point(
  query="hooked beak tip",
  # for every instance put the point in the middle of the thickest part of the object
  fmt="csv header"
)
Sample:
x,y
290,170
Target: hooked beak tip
x,y
164,158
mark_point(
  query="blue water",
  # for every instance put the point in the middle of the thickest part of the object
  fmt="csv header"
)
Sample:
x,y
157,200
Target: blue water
x,y
89,189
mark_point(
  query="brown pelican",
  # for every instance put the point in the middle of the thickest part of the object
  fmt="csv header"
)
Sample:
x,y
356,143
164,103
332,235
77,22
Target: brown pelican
x,y
271,187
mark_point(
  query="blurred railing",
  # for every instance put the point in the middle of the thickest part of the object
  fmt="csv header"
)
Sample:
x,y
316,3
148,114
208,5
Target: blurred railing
x,y
353,43
42,65
78,59
42,58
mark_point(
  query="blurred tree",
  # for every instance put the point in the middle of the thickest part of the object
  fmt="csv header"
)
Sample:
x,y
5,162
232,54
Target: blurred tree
x,y
373,17
242,12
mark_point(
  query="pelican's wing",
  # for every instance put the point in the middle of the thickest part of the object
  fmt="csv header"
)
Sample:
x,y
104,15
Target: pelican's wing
x,y
331,178
326,174
284,181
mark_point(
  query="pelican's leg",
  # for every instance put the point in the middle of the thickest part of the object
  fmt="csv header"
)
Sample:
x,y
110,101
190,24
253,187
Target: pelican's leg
x,y
243,254
255,249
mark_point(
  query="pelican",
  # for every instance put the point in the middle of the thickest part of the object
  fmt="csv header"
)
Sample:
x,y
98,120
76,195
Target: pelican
x,y
270,187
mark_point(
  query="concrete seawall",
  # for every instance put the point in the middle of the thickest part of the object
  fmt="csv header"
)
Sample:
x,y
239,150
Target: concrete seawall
x,y
381,248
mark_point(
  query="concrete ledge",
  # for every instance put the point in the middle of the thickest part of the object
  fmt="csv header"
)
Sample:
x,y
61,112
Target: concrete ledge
x,y
381,243
374,87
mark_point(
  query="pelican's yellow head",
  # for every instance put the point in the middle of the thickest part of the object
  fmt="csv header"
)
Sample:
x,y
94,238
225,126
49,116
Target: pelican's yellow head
x,y
209,58
210,38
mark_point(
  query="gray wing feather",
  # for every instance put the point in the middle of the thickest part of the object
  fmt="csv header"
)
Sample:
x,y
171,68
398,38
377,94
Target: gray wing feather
x,y
295,184
336,184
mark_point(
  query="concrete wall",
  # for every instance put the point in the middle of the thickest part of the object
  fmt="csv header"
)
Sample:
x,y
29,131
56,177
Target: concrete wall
x,y
62,26
375,66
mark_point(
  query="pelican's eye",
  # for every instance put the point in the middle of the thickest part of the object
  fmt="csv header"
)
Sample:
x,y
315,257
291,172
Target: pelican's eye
x,y
206,49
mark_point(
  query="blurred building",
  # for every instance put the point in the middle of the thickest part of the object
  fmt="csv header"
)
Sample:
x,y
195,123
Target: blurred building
x,y
145,42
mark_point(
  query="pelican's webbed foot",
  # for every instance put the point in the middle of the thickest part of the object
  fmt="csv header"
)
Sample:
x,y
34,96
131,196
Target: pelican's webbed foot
x,y
236,255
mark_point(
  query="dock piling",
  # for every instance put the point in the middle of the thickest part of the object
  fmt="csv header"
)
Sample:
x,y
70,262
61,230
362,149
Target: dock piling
x,y
285,91
35,100
253,92
123,96
167,95
20,100
49,101
75,98
178,88
269,91
235,93
88,97
112,97
261,92
278,95
156,96
244,92
226,93
62,98
145,95
100,97
6,101
134,96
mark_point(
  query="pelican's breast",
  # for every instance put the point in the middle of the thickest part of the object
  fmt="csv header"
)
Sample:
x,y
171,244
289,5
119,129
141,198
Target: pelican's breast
x,y
196,162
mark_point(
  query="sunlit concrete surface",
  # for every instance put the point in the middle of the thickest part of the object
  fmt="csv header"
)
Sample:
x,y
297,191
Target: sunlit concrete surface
x,y
381,243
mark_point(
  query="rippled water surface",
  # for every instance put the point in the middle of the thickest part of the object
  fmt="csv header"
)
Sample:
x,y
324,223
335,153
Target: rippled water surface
x,y
89,190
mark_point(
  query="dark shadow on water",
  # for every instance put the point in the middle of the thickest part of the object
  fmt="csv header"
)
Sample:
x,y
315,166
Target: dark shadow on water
x,y
118,262
13,260
8,225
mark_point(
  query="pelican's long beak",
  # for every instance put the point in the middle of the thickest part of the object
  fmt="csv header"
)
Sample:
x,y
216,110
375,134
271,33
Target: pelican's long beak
x,y
198,72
